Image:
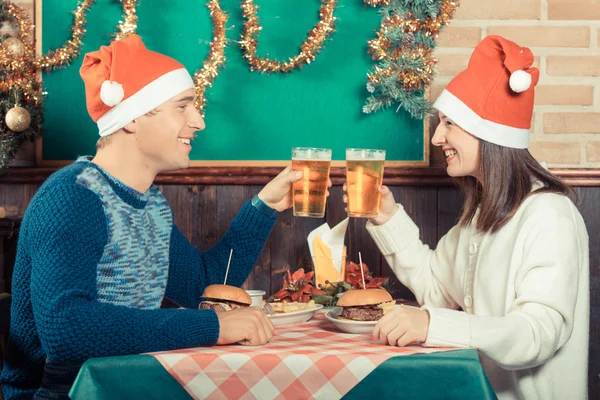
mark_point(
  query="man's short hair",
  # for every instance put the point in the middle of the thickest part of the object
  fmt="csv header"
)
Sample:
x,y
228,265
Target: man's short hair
x,y
105,140
102,142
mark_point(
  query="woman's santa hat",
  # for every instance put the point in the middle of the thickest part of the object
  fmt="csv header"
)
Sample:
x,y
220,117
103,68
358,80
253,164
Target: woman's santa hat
x,y
493,98
125,80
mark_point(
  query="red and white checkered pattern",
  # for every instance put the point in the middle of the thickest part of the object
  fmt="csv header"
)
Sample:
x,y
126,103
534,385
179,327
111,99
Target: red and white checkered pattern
x,y
308,361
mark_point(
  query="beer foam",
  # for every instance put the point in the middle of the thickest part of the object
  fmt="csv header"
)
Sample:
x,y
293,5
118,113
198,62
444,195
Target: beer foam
x,y
311,154
365,154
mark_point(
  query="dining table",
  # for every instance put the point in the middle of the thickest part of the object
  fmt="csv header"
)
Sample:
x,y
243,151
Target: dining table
x,y
310,360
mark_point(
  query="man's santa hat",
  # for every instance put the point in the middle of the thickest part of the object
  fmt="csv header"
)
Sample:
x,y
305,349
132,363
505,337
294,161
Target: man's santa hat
x,y
125,80
493,98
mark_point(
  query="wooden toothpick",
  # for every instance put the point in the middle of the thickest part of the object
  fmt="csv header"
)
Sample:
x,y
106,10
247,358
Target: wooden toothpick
x,y
228,263
362,272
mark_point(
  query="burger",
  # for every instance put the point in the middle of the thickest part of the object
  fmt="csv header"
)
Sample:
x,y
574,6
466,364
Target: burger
x,y
365,304
224,298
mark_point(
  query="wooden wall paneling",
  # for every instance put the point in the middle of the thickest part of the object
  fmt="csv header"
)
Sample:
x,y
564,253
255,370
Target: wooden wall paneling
x,y
420,204
336,208
29,190
394,176
589,206
282,250
204,214
450,201
20,196
260,277
180,199
229,200
12,195
4,277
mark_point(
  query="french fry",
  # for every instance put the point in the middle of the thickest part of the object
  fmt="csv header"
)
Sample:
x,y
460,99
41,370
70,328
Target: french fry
x,y
285,307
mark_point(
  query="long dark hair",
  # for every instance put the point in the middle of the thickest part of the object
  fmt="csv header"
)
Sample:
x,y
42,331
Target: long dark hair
x,y
508,177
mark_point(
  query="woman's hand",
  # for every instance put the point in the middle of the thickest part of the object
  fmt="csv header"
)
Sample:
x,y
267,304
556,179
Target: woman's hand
x,y
403,326
387,205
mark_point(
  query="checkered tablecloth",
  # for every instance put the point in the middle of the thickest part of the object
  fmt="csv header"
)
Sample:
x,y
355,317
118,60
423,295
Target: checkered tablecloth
x,y
308,361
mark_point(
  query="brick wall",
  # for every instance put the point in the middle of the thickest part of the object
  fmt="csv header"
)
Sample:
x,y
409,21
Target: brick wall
x,y
564,35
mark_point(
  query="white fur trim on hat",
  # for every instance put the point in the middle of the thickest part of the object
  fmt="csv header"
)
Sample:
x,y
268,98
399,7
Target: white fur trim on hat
x,y
470,121
145,100
111,93
520,81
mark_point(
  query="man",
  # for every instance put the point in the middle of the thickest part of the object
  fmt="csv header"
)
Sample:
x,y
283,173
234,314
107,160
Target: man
x,y
98,250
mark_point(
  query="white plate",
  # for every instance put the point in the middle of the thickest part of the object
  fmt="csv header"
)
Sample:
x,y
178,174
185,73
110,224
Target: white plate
x,y
348,326
295,317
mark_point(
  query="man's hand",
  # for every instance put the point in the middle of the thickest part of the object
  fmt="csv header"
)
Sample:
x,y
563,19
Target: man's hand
x,y
277,194
247,326
403,326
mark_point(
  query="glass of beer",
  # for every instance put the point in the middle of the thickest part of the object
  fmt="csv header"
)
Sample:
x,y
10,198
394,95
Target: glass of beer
x,y
364,174
310,192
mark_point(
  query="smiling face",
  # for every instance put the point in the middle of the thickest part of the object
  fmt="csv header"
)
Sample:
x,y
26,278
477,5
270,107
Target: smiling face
x,y
164,136
460,148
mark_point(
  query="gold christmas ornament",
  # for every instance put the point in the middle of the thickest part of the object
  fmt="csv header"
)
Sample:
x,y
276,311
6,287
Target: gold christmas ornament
x,y
20,18
308,50
20,90
14,47
19,72
6,28
18,119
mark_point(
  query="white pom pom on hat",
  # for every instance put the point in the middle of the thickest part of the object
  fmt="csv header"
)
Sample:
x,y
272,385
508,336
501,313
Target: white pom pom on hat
x,y
111,93
520,81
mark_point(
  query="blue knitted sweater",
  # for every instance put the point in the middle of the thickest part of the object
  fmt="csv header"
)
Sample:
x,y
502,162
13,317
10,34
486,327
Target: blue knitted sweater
x,y
95,259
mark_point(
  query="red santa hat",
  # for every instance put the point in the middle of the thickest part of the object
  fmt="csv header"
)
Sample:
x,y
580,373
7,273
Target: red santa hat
x,y
493,98
125,80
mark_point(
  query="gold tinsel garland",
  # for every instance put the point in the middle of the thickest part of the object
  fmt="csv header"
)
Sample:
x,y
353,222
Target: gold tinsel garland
x,y
28,65
410,78
205,76
20,91
380,47
71,49
377,3
129,23
21,70
20,16
430,26
308,50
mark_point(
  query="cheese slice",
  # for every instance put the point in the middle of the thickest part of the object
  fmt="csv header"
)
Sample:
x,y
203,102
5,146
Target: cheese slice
x,y
387,307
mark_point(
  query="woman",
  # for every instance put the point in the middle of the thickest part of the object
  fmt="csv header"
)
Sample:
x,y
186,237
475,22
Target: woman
x,y
517,262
